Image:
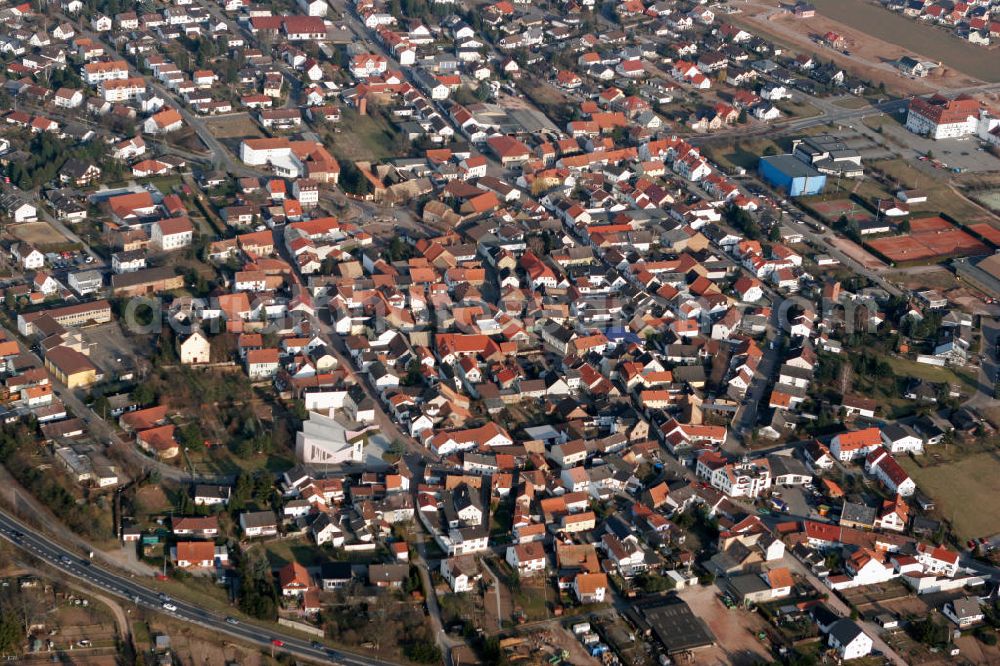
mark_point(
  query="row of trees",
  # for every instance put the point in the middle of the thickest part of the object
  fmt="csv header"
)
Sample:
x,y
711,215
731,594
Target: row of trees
x,y
257,597
49,486
383,622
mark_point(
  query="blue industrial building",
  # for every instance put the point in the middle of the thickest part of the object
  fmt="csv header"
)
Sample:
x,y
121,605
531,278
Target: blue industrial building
x,y
791,175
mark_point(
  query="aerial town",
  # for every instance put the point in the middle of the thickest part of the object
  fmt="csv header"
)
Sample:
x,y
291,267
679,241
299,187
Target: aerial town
x,y
631,332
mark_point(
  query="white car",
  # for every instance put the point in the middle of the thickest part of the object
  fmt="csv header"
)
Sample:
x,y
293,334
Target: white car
x,y
169,607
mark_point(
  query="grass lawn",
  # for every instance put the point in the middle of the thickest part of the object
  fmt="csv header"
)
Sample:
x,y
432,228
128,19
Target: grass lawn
x,y
743,154
965,491
140,633
164,184
906,368
283,551
368,137
532,598
940,196
199,590
798,109
853,103
221,461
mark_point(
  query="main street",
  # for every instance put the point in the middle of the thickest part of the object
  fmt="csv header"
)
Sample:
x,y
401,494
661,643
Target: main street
x,y
70,564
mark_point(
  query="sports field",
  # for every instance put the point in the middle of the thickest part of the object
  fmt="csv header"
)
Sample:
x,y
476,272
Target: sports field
x,y
37,233
833,209
987,231
930,239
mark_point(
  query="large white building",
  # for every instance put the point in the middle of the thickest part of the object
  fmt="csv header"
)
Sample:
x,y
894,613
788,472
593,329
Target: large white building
x,y
123,90
95,72
748,478
324,440
941,118
291,159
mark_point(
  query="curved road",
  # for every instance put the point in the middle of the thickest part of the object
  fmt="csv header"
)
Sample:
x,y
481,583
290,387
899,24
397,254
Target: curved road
x,y
115,585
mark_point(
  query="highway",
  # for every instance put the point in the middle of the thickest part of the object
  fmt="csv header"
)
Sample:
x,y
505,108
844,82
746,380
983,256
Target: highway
x,y
71,564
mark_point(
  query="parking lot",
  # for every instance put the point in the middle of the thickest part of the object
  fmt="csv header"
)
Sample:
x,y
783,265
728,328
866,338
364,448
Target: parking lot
x,y
798,502
110,350
964,153
69,261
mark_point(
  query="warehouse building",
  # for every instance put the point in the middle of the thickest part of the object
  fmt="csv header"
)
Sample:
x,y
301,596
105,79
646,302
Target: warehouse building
x,y
791,175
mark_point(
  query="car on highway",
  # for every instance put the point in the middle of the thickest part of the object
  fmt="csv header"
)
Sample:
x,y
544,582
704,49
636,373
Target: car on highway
x,y
277,642
316,645
232,620
169,607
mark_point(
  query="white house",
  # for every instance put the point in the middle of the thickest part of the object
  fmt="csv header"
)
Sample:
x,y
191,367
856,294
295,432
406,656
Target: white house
x,y
258,523
205,495
100,23
21,211
901,439
855,444
460,572
749,289
313,7
526,558
866,568
937,560
847,638
164,122
590,588
172,233
324,531
195,349
880,464
964,611
29,258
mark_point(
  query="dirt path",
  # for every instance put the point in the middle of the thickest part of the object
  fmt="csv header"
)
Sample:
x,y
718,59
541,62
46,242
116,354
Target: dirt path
x,y
857,253
124,628
498,602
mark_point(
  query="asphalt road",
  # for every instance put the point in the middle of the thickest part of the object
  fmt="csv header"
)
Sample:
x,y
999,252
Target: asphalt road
x,y
72,565
989,367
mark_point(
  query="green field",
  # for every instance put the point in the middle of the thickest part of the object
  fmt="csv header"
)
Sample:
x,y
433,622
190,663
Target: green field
x,y
906,368
368,137
964,490
941,197
852,103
